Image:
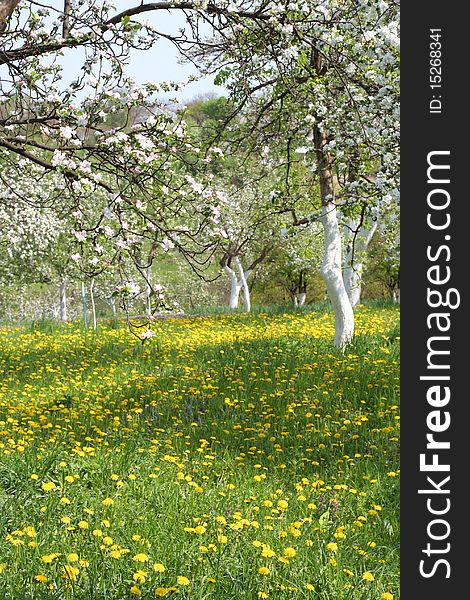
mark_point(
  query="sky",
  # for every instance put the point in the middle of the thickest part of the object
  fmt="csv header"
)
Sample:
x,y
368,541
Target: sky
x,y
158,64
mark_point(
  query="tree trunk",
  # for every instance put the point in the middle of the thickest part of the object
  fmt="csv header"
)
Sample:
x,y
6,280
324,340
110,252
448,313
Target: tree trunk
x,y
302,298
353,263
85,310
246,290
235,287
92,299
331,269
63,300
113,306
6,9
295,299
148,292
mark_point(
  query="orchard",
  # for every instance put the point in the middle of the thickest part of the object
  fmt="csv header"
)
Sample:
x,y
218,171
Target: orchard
x,y
199,299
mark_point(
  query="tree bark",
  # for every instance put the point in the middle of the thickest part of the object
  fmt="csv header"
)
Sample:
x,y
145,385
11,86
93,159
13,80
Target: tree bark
x,y
331,269
235,286
6,10
66,21
148,291
354,260
92,299
244,283
63,300
85,310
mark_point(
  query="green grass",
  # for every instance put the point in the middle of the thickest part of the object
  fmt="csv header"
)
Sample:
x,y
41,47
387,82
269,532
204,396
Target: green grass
x,y
227,444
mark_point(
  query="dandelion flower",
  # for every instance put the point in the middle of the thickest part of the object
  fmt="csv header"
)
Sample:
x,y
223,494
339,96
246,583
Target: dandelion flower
x,y
332,547
140,557
367,576
140,576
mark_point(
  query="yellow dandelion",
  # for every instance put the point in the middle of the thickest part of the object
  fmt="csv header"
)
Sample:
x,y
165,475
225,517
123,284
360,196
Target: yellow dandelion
x,y
182,580
158,568
72,557
48,486
141,557
140,576
263,571
332,547
368,576
69,572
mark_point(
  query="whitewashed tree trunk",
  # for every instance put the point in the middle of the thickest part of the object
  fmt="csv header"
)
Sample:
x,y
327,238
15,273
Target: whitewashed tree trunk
x,y
112,301
85,310
235,286
302,298
243,278
296,300
63,300
354,260
332,267
148,291
92,299
331,271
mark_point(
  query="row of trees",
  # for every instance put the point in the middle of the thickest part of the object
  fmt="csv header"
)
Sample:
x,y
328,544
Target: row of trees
x,y
309,134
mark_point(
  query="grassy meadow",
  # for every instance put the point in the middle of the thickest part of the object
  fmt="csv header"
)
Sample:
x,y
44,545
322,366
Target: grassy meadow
x,y
230,457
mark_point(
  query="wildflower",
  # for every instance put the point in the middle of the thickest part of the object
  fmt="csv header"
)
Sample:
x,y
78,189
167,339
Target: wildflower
x,y
48,486
69,572
140,576
83,525
386,596
158,568
40,578
135,591
181,580
290,552
140,557
161,591
368,576
263,571
200,529
72,557
332,547
107,502
48,558
267,552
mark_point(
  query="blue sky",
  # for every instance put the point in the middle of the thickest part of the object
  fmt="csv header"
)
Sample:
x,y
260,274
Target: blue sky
x,y
158,64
